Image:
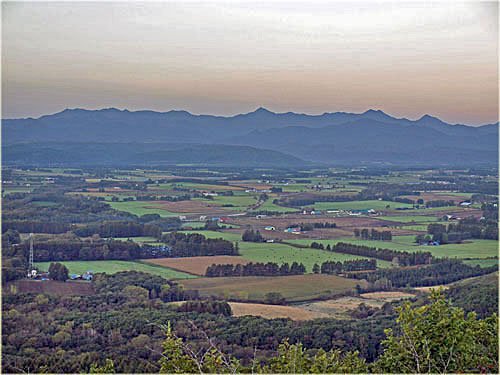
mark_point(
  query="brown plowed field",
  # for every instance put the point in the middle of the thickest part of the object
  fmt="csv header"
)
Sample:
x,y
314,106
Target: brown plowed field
x,y
196,265
59,288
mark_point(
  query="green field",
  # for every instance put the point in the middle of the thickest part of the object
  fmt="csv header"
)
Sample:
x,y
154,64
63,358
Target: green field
x,y
270,206
282,253
237,202
215,234
292,288
359,205
140,208
114,266
469,249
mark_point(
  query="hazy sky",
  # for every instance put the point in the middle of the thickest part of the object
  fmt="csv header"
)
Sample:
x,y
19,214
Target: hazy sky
x,y
407,59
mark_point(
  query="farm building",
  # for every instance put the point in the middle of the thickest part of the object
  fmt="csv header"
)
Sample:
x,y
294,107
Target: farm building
x,y
292,230
270,228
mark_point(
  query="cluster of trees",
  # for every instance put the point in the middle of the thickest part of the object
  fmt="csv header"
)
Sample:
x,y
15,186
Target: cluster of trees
x,y
439,203
58,272
119,229
464,229
365,234
250,235
255,269
332,267
402,258
304,227
70,247
206,307
194,244
143,284
442,272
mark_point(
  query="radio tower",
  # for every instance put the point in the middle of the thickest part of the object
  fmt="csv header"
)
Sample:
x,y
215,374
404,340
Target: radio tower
x,y
31,263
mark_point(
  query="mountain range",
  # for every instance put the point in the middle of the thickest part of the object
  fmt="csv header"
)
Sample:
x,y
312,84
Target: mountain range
x,y
112,136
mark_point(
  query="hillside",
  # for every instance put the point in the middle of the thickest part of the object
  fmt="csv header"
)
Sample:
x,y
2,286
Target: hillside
x,y
120,154
332,138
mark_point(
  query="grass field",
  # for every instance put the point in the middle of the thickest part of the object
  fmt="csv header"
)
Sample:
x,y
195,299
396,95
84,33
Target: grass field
x,y
215,234
140,208
113,266
270,206
282,253
469,249
254,288
359,205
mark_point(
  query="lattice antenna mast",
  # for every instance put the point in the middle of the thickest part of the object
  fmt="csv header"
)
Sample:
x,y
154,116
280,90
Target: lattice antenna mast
x,y
31,263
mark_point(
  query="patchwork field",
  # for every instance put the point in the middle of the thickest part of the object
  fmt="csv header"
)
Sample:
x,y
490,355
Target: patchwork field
x,y
195,265
114,266
255,288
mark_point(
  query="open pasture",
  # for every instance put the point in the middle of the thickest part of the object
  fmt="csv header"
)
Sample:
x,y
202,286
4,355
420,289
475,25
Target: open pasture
x,y
254,288
359,205
282,253
194,206
467,249
114,266
195,265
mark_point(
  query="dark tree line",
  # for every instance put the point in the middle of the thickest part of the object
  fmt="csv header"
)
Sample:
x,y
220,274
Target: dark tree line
x,y
304,227
206,307
333,267
443,272
119,229
194,244
35,226
374,234
255,269
402,258
439,203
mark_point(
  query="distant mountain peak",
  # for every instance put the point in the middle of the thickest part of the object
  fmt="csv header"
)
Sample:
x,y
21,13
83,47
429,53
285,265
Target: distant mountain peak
x,y
262,110
373,111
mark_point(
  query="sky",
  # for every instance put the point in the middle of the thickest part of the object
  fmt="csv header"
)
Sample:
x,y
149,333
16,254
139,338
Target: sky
x,y
405,58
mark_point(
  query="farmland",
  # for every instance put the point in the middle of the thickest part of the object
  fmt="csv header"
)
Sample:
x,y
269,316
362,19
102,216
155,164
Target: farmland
x,y
274,311
468,249
255,288
141,208
281,253
360,205
195,265
113,266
